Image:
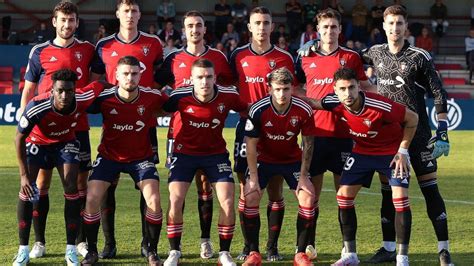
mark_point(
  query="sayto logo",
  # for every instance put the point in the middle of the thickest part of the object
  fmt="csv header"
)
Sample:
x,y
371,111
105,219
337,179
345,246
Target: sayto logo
x,y
323,81
199,124
253,79
369,134
127,127
386,82
454,115
187,81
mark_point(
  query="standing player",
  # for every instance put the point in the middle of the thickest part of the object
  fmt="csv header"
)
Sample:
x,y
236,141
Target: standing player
x,y
203,107
405,74
382,131
129,41
272,130
46,139
125,147
251,64
63,52
176,72
331,134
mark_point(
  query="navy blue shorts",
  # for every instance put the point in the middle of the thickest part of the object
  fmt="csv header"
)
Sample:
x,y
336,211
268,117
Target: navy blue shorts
x,y
49,156
240,148
169,152
329,154
216,167
289,171
154,145
85,163
421,159
109,170
359,170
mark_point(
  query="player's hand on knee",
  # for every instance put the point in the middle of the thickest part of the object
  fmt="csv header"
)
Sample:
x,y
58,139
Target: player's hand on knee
x,y
401,164
305,184
440,142
309,46
252,186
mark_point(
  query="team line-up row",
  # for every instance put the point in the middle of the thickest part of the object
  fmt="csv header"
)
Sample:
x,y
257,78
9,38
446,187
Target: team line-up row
x,y
349,127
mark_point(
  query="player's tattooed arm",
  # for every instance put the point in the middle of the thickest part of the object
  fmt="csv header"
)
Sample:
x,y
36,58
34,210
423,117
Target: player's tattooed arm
x,y
401,161
308,147
252,184
25,177
410,123
304,182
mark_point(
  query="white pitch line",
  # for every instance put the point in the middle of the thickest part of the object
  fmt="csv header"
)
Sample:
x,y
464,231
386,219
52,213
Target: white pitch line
x,y
366,193
411,197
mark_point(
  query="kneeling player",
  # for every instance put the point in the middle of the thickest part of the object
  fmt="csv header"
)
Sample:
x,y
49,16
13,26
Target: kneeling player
x,y
46,139
203,108
272,130
382,131
125,148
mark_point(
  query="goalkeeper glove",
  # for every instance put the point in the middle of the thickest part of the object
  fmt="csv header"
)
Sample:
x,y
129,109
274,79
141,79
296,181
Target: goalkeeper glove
x,y
440,142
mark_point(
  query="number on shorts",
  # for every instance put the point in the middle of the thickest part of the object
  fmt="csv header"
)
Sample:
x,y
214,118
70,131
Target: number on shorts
x,y
170,146
96,162
240,150
349,162
33,148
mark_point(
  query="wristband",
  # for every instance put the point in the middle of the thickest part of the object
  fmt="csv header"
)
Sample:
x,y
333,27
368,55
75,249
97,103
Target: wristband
x,y
442,124
403,151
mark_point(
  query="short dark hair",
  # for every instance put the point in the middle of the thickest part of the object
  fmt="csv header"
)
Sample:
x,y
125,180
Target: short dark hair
x,y
127,2
328,13
129,60
260,10
64,74
65,7
202,62
345,74
281,76
193,13
396,10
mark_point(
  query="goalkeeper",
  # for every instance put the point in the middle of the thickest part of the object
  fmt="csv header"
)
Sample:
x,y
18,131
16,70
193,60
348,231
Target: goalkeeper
x,y
405,75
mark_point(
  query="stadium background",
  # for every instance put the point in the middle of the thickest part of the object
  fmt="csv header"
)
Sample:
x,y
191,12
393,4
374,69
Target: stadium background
x,y
456,180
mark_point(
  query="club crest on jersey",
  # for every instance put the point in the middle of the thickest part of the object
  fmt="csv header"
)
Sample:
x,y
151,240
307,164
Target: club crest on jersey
x,y
221,108
141,109
403,66
272,64
78,56
146,50
294,121
367,122
342,61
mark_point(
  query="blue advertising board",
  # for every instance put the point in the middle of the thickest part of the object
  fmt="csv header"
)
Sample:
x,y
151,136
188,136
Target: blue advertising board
x,y
460,114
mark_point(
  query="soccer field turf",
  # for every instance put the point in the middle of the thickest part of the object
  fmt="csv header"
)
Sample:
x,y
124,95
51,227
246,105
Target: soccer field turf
x,y
456,183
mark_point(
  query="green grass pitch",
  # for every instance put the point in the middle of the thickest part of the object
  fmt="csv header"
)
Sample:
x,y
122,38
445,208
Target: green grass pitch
x,y
456,183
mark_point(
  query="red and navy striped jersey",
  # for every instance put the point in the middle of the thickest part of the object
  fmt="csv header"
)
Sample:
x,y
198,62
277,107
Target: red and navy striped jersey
x,y
377,128
145,47
202,123
46,58
176,72
126,125
252,69
176,68
278,133
44,125
317,71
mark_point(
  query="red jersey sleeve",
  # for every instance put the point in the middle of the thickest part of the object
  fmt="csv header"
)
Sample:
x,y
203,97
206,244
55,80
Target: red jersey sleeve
x,y
397,114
